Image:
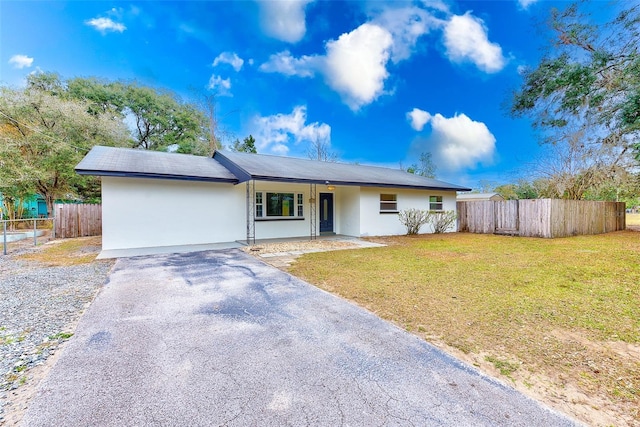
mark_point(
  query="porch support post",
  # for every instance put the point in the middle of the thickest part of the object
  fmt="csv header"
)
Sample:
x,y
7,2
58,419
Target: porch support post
x,y
312,211
251,212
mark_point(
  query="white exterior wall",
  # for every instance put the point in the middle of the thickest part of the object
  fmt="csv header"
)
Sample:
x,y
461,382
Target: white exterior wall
x,y
141,213
347,202
374,223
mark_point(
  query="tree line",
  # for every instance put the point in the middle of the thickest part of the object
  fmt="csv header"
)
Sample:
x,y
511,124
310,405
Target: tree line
x,y
48,126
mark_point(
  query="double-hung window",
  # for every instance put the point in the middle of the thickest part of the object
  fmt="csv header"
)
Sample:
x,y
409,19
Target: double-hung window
x,y
388,203
435,203
279,205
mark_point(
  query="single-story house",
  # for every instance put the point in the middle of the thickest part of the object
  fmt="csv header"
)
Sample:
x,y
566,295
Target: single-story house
x,y
479,197
155,199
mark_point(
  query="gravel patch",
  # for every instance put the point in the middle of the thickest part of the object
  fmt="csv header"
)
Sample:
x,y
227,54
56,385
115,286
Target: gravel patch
x,y
39,307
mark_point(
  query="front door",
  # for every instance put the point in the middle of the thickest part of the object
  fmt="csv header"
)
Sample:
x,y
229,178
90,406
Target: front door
x,y
326,212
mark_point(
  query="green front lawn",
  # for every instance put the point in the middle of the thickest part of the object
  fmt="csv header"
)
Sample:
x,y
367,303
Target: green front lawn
x,y
546,314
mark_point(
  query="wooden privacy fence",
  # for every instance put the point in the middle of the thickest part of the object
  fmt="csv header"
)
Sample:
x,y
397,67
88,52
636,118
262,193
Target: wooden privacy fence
x,y
541,217
73,220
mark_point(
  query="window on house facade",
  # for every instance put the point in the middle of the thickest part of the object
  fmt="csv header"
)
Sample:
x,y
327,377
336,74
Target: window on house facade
x,y
287,205
435,203
388,203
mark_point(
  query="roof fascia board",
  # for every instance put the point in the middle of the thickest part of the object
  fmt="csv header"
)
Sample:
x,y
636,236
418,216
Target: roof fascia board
x,y
154,176
355,184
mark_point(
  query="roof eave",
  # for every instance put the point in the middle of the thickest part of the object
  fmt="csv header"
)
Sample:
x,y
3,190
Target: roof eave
x,y
123,174
351,183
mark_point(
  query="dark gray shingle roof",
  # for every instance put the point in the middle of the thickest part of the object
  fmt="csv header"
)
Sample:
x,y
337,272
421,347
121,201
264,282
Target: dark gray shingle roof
x,y
288,169
111,161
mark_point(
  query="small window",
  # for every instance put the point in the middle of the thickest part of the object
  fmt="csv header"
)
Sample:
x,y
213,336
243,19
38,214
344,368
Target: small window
x,y
300,205
435,203
259,205
388,203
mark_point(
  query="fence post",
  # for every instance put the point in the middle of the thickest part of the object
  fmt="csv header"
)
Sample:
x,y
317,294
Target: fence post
x,y
35,241
4,236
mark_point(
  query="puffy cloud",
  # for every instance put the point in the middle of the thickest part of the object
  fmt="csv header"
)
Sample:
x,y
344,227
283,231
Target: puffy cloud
x,y
418,118
458,142
230,58
105,25
355,64
465,39
276,133
222,86
286,64
406,25
21,61
284,19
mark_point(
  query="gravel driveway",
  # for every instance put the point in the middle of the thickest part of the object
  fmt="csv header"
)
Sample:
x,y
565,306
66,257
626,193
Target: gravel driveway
x,y
220,338
38,305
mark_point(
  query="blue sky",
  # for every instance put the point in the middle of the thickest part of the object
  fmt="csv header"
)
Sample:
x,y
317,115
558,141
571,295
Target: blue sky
x,y
380,81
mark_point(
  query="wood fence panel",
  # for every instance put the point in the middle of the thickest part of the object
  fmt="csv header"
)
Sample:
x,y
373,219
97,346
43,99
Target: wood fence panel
x,y
77,220
506,216
542,217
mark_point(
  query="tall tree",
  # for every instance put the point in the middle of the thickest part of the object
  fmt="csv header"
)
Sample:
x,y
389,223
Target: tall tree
x,y
248,145
425,168
584,95
320,149
43,136
158,119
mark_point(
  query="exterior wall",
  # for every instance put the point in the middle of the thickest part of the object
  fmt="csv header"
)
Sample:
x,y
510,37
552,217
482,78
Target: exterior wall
x,y
140,213
348,210
374,223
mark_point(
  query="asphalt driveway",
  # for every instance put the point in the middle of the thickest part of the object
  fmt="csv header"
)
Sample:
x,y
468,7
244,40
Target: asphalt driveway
x,y
221,339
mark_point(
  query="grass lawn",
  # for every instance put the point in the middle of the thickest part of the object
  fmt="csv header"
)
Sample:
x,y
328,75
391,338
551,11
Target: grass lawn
x,y
633,219
557,318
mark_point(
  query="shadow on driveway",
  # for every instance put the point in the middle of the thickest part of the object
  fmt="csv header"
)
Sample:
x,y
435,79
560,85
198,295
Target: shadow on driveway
x,y
220,338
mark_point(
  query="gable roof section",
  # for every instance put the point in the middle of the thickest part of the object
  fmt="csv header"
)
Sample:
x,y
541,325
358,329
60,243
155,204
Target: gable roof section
x,y
126,162
262,167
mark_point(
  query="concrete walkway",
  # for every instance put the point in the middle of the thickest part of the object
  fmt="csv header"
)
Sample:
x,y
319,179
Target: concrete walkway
x,y
221,339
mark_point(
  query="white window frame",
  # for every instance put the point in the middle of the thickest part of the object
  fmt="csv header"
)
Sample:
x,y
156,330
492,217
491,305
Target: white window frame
x,y
388,203
261,207
439,200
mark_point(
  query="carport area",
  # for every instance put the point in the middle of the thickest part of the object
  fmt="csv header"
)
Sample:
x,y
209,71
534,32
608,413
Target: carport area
x,y
221,338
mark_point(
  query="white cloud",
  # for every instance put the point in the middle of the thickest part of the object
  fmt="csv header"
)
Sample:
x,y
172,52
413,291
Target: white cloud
x,y
526,3
220,85
284,19
458,142
286,64
406,26
21,61
230,58
276,133
438,5
465,39
418,118
105,25
355,64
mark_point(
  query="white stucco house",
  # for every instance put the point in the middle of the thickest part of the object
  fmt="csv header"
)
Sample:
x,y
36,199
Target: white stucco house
x,y
154,199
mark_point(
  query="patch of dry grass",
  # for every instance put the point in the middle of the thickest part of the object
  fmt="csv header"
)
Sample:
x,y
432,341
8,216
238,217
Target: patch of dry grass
x,y
566,310
65,252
